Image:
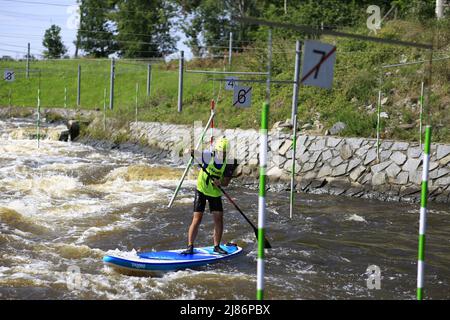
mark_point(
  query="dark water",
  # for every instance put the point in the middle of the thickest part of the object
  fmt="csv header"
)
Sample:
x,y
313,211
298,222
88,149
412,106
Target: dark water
x,y
64,206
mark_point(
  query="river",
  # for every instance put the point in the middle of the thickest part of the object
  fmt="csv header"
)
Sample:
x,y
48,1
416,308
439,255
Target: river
x,y
65,205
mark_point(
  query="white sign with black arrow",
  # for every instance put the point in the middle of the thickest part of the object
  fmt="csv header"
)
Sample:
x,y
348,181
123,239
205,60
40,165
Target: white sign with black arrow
x,y
318,64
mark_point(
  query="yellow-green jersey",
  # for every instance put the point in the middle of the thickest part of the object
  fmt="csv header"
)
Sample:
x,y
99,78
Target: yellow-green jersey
x,y
217,170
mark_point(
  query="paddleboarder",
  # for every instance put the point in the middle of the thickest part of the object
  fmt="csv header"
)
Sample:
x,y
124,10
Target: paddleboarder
x,y
221,173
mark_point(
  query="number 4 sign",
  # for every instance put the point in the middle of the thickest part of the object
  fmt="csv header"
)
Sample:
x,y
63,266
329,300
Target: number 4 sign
x,y
229,83
318,64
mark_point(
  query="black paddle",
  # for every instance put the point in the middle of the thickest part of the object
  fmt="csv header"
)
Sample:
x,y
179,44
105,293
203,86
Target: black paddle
x,y
266,242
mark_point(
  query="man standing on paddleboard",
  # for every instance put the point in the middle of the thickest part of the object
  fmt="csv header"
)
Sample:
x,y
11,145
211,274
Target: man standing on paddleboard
x,y
215,163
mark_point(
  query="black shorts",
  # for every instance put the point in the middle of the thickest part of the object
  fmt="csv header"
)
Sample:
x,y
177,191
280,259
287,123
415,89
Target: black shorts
x,y
215,203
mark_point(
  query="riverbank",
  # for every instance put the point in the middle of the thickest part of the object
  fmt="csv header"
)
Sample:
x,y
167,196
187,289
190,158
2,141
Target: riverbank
x,y
324,164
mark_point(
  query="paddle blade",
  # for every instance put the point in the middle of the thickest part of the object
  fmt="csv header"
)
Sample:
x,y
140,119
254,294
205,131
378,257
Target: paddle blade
x,y
266,242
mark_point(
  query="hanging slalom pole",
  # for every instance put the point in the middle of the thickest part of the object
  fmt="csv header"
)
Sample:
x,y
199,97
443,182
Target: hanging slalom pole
x,y
421,100
212,125
263,139
294,149
298,53
423,215
200,140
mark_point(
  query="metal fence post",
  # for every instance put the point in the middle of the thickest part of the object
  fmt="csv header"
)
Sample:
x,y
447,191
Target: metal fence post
x,y
180,82
230,50
111,91
28,61
79,86
149,78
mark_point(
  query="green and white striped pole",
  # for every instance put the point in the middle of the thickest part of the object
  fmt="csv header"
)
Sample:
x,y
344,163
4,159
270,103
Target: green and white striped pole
x,y
263,138
294,148
263,141
423,214
421,113
38,121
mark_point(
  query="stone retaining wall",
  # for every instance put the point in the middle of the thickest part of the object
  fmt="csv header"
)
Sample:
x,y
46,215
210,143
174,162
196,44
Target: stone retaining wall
x,y
324,164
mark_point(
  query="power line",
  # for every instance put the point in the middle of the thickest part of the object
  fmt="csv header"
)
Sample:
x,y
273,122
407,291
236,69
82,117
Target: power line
x,y
39,3
112,10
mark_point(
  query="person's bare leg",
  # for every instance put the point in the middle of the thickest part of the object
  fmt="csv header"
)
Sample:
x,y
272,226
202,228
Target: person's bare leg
x,y
218,227
193,229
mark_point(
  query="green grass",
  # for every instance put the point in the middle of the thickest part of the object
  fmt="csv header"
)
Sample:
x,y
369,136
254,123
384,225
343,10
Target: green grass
x,y
356,85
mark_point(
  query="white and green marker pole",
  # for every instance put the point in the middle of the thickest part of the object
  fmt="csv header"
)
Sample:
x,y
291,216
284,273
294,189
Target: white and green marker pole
x,y
423,214
38,121
294,148
263,140
421,112
200,140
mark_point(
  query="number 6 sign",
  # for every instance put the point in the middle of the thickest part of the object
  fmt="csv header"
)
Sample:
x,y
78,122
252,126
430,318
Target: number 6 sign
x,y
242,96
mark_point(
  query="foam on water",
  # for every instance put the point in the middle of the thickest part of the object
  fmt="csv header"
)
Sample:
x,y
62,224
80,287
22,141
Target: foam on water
x,y
355,217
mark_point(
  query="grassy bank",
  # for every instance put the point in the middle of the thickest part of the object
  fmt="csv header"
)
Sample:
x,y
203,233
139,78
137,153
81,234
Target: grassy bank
x,y
353,99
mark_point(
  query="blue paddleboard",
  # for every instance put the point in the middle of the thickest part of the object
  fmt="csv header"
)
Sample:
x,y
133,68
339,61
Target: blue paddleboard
x,y
170,259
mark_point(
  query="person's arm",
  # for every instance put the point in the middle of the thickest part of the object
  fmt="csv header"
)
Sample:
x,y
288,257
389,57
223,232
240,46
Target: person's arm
x,y
228,174
225,181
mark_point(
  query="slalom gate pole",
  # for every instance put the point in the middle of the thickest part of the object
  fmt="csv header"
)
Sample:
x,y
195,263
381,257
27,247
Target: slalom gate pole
x,y
423,215
213,104
294,148
190,161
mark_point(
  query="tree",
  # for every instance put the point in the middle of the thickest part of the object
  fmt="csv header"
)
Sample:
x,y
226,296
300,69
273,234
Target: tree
x,y
210,22
95,36
53,42
143,27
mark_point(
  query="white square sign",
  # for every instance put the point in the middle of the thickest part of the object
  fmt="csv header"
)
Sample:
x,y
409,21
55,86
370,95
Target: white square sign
x,y
9,76
242,96
230,83
318,64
